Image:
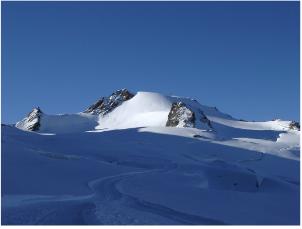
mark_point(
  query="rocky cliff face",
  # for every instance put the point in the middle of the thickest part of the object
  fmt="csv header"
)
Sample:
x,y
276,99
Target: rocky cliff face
x,y
182,115
31,121
106,104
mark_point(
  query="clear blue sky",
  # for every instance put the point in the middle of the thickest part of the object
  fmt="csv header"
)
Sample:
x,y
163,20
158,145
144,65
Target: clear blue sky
x,y
242,57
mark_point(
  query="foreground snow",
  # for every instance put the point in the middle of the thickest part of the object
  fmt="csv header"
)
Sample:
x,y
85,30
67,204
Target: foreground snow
x,y
236,173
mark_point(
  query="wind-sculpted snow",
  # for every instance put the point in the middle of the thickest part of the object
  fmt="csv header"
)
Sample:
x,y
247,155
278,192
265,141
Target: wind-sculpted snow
x,y
236,173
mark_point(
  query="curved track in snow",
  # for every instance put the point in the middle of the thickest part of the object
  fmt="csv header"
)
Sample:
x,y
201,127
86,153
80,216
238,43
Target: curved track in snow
x,y
107,205
106,190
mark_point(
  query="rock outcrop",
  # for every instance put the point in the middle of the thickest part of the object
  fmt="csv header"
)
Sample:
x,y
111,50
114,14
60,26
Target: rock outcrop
x,y
31,121
294,125
106,104
180,116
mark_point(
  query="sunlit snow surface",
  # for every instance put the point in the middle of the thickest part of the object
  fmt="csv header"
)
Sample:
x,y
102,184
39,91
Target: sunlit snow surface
x,y
130,169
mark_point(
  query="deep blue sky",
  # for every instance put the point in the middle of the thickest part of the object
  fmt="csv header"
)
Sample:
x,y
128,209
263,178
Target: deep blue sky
x,y
242,57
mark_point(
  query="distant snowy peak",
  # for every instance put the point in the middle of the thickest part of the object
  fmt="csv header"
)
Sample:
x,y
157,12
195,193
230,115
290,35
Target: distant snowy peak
x,y
123,109
106,104
31,121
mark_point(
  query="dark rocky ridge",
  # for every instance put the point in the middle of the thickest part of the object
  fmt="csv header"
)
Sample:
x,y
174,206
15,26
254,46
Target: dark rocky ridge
x,y
106,104
182,115
33,118
204,119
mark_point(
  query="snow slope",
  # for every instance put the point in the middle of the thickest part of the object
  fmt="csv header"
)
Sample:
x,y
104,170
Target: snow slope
x,y
68,123
144,109
152,175
127,167
61,123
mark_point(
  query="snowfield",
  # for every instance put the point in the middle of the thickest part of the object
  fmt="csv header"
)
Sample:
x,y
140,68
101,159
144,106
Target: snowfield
x,y
127,167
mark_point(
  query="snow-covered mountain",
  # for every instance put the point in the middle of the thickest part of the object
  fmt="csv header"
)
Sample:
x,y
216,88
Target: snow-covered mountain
x,y
147,158
124,109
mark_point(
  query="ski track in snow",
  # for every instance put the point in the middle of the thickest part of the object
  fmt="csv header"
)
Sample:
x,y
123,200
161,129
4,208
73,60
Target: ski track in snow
x,y
82,210
107,190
